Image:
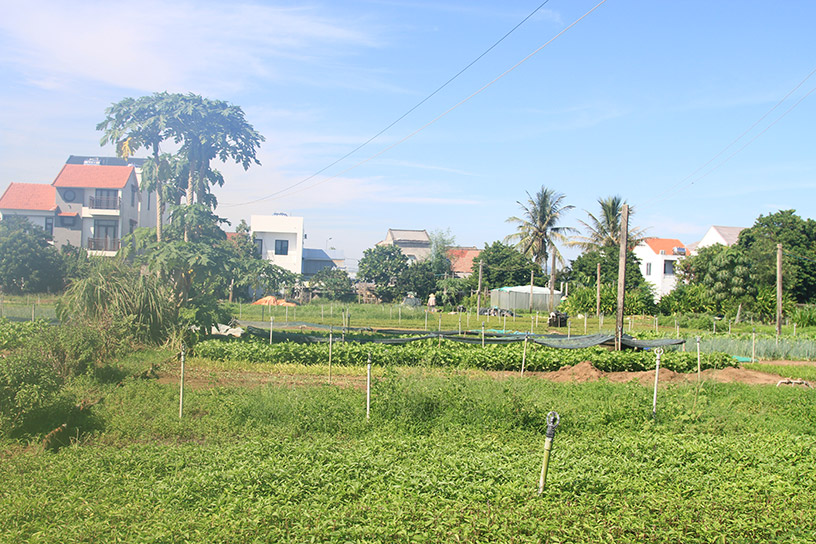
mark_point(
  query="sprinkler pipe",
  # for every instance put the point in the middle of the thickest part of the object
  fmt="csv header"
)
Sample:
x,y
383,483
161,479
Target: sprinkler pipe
x,y
553,419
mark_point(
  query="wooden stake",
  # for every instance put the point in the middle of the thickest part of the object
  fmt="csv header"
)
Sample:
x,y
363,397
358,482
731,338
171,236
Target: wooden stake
x,y
624,238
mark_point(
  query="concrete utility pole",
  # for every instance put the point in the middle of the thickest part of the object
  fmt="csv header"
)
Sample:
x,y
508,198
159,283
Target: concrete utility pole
x,y
479,290
778,290
532,276
552,283
624,238
598,292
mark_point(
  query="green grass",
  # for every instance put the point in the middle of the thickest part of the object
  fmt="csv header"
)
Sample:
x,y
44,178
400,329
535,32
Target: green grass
x,y
795,372
445,457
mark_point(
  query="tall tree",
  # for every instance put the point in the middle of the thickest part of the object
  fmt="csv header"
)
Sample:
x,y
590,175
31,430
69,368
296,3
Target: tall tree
x,y
603,231
133,123
383,266
28,262
538,229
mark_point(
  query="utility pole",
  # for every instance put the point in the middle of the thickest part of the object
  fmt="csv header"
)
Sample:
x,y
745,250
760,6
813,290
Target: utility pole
x,y
552,282
778,290
479,290
624,238
598,292
532,276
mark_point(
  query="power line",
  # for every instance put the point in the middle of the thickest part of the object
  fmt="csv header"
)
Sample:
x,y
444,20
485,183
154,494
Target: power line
x,y
443,114
401,117
683,182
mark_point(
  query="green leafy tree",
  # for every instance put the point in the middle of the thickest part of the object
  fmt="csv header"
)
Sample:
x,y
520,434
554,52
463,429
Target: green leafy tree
x,y
419,278
383,265
504,266
585,271
538,228
729,280
798,239
334,284
28,262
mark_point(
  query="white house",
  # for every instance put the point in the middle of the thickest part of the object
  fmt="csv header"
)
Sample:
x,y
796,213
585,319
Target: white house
x,y
92,203
279,239
726,236
658,259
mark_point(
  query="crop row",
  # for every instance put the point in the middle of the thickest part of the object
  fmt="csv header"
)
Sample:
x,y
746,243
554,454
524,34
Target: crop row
x,y
453,355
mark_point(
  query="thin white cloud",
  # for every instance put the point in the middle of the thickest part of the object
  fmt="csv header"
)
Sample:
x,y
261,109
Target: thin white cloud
x,y
164,45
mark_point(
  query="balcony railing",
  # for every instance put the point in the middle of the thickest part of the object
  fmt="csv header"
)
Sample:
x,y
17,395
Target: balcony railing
x,y
105,202
103,244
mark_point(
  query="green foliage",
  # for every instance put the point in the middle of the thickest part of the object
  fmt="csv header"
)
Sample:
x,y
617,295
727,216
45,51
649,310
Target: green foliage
x,y
383,265
444,458
28,263
583,300
503,267
687,299
798,239
13,334
604,231
419,278
449,355
538,229
804,316
114,291
333,284
585,271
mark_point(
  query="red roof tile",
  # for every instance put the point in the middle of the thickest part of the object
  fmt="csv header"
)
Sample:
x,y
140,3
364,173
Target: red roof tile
x,y
462,259
93,176
666,245
29,196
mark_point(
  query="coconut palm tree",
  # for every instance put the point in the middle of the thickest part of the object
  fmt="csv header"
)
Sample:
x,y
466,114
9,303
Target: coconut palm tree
x,y
538,229
604,230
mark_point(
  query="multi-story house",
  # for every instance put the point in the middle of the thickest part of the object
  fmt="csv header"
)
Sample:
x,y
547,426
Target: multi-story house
x,y
658,259
280,240
415,244
90,205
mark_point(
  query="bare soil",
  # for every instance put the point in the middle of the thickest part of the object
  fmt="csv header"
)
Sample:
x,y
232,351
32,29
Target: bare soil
x,y
582,372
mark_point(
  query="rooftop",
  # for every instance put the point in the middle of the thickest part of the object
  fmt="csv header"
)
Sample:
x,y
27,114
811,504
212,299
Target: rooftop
x,y
93,176
29,196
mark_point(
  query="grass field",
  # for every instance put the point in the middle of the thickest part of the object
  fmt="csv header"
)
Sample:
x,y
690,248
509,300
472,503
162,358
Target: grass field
x,y
445,457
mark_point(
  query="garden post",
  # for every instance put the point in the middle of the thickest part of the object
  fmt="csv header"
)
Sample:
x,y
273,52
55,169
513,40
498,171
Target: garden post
x,y
553,420
368,388
181,384
658,353
331,341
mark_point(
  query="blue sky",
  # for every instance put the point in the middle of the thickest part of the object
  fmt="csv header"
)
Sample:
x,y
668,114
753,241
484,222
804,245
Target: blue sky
x,y
635,99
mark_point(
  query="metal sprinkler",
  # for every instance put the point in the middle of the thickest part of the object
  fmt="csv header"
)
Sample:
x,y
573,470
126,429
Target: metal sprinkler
x,y
553,419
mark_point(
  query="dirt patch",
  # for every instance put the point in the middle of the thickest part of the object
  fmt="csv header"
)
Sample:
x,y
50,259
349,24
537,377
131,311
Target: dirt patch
x,y
207,379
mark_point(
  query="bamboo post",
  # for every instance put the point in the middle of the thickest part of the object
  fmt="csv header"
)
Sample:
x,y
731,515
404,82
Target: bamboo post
x,y
524,355
698,361
585,324
569,328
483,333
271,326
753,346
504,327
778,291
426,319
460,324
624,235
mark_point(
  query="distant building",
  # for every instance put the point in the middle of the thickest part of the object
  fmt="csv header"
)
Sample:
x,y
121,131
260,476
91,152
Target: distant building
x,y
92,203
658,260
280,239
415,244
726,236
461,259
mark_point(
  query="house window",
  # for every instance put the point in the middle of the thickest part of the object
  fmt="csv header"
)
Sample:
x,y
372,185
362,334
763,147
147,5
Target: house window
x,y
648,269
148,201
281,247
259,247
67,220
132,195
668,268
49,226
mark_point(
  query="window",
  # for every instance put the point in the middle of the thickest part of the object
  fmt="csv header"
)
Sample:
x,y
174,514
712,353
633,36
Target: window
x,y
281,247
259,247
648,269
148,201
668,268
49,226
132,195
67,220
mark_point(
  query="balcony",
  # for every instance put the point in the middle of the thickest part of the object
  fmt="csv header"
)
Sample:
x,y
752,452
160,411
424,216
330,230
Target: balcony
x,y
104,203
103,244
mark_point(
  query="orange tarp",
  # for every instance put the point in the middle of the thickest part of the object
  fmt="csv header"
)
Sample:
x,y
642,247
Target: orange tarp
x,y
273,301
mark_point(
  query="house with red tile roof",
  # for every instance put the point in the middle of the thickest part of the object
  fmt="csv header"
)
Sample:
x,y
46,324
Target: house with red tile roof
x,y
35,201
461,259
92,203
658,260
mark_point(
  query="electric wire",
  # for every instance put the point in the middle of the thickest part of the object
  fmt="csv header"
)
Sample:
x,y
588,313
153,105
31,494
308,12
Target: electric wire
x,y
449,110
683,182
401,117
